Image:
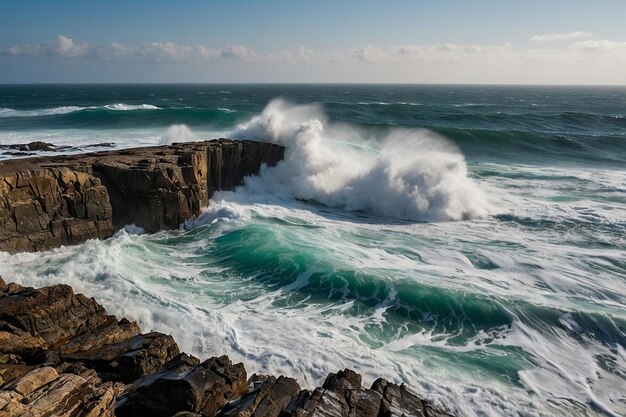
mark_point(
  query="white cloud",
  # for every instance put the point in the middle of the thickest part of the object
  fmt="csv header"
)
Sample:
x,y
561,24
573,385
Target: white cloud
x,y
599,46
171,52
561,36
62,46
238,51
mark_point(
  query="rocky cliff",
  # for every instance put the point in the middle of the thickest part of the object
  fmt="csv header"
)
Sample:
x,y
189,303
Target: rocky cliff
x,y
61,354
52,201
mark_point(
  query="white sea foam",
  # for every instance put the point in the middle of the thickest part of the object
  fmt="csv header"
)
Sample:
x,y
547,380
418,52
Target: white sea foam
x,y
6,112
125,107
409,174
169,288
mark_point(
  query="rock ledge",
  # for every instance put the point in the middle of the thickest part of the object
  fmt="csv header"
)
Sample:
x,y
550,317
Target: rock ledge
x,y
51,201
61,354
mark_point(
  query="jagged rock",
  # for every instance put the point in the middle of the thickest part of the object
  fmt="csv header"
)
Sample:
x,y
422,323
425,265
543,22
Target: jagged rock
x,y
47,317
185,385
44,392
130,359
341,395
398,401
114,332
268,398
56,347
53,324
47,202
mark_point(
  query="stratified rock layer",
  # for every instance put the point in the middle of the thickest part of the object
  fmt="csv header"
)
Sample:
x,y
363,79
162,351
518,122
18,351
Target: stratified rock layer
x,y
61,354
52,201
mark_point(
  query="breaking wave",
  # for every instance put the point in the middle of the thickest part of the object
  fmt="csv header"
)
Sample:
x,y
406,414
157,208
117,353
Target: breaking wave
x,y
408,174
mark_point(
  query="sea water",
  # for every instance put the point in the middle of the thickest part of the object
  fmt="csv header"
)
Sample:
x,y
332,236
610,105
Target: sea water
x,y
469,241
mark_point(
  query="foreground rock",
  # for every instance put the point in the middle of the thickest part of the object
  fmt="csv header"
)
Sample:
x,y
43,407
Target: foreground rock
x,y
47,202
61,354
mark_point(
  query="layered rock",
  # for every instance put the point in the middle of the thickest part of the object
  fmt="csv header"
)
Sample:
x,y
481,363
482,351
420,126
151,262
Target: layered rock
x,y
52,201
61,354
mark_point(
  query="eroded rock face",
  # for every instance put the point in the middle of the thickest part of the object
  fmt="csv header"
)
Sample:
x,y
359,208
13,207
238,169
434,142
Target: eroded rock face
x,y
41,208
55,347
61,354
62,200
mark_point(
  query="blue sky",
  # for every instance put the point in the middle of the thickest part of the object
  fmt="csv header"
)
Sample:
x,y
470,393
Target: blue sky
x,y
444,41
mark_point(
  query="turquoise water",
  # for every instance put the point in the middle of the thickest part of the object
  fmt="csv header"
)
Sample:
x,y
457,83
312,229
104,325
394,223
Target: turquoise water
x,y
468,241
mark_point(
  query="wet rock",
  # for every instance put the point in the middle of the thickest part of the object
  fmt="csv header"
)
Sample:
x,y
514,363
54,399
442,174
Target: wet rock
x,y
268,398
341,395
32,146
398,401
185,385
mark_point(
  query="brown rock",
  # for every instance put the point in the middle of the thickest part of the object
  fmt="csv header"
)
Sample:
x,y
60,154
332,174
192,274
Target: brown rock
x,y
47,202
47,317
53,395
130,359
185,385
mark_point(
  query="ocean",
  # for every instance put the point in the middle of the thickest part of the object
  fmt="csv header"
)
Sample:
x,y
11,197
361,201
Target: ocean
x,y
469,241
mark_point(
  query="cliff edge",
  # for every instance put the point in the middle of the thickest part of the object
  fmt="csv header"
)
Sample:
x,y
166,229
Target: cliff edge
x,y
47,202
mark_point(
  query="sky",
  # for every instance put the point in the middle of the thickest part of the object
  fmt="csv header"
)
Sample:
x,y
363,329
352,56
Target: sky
x,y
316,41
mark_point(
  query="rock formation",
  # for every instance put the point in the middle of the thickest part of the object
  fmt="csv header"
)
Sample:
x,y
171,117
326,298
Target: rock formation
x,y
61,354
47,202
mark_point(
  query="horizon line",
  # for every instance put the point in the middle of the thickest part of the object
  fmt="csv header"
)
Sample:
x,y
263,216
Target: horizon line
x,y
313,83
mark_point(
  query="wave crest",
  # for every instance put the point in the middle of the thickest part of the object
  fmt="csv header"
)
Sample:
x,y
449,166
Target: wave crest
x,y
6,112
408,174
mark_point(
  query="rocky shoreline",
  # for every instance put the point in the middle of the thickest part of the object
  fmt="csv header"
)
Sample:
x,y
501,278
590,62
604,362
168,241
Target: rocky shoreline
x,y
62,354
50,201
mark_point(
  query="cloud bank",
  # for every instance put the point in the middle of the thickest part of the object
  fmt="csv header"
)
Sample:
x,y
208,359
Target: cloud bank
x,y
559,58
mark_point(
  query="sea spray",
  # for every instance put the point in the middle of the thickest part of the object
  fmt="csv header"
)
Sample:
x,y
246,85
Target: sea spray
x,y
177,133
408,174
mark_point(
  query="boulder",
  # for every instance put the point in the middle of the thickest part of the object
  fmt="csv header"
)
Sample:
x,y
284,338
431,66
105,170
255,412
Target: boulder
x,y
341,395
185,385
267,398
130,359
398,401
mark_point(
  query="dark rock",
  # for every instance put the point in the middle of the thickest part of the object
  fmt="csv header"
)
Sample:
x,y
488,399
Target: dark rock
x,y
32,146
340,396
184,385
398,401
267,399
